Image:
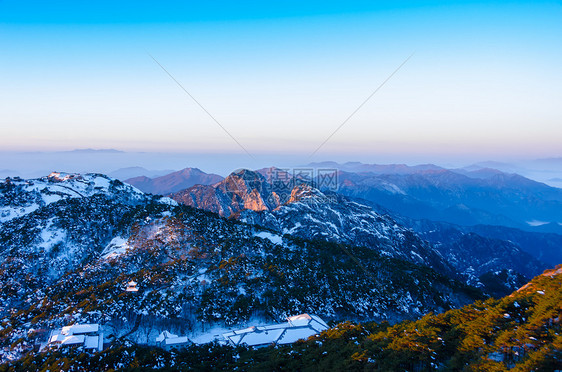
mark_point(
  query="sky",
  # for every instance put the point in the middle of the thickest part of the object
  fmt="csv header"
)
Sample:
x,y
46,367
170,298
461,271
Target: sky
x,y
478,80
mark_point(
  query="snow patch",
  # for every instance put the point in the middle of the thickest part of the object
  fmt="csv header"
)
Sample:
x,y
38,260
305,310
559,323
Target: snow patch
x,y
275,239
392,188
51,236
115,248
168,201
535,223
9,213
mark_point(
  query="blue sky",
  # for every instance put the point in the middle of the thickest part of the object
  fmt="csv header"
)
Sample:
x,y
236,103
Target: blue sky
x,y
484,82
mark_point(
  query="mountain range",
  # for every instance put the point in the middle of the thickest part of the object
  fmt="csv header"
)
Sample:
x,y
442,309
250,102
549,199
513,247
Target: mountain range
x,y
469,196
306,212
443,195
174,181
70,243
242,250
124,174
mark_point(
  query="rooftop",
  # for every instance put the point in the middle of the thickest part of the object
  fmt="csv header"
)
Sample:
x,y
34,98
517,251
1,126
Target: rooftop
x,y
297,327
77,329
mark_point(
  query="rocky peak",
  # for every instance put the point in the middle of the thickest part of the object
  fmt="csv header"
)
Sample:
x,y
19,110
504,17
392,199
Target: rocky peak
x,y
243,181
61,176
241,190
304,192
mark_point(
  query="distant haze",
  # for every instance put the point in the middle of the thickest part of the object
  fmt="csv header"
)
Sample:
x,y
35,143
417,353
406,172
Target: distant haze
x,y
125,165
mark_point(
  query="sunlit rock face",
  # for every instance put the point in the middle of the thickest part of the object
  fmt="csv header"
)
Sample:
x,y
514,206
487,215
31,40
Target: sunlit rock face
x,y
242,190
299,209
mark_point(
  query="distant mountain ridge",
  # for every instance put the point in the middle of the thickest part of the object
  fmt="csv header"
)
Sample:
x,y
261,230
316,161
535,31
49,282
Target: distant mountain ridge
x,y
477,194
124,174
464,197
542,246
304,211
173,182
358,167
112,151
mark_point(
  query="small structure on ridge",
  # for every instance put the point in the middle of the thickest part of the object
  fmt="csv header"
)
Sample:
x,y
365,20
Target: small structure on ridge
x,y
132,287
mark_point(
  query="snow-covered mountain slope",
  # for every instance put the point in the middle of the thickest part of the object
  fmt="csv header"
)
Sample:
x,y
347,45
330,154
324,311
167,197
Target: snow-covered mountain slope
x,y
297,209
70,260
54,224
306,212
20,197
311,214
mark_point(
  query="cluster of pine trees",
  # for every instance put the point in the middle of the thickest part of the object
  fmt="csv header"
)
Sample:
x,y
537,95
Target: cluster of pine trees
x,y
521,332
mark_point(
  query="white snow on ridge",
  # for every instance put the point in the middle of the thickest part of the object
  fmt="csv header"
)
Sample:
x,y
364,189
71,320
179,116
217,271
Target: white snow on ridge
x,y
58,186
51,198
293,229
535,223
168,201
101,182
9,213
275,239
417,256
203,277
51,236
115,248
392,188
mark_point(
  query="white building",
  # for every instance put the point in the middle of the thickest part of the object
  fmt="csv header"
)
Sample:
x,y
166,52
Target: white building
x,y
88,336
167,340
296,328
132,287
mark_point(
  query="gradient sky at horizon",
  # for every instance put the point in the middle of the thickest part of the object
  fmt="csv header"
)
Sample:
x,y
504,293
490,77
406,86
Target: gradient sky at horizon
x,y
485,78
